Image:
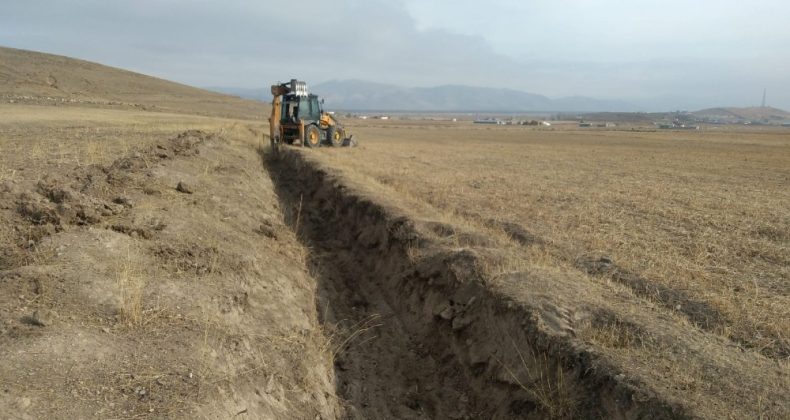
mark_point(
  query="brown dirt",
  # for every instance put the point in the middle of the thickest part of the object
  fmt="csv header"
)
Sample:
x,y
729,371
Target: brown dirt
x,y
121,297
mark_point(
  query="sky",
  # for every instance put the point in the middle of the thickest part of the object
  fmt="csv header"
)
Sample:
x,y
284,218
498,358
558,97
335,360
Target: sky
x,y
660,55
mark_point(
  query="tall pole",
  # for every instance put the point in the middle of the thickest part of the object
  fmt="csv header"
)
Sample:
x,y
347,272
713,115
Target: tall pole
x,y
763,98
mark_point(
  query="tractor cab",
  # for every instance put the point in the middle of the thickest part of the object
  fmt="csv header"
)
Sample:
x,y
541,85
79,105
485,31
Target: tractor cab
x,y
301,108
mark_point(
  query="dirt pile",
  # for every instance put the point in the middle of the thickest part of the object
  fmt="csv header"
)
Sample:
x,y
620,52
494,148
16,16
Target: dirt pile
x,y
121,297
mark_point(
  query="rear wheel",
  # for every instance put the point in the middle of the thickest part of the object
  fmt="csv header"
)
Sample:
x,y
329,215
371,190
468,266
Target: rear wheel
x,y
312,136
336,136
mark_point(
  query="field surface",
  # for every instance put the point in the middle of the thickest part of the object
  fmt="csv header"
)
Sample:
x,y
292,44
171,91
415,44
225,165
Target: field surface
x,y
159,260
686,232
702,219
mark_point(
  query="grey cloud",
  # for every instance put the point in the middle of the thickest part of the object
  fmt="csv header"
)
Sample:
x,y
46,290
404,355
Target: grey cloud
x,y
250,44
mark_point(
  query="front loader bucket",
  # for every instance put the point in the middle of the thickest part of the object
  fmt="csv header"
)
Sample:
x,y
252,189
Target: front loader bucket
x,y
350,142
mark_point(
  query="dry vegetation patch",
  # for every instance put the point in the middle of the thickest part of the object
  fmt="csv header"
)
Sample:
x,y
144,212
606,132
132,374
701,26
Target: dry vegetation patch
x,y
696,221
667,251
122,297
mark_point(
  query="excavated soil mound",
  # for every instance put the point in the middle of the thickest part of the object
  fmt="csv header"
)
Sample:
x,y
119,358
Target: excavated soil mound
x,y
163,285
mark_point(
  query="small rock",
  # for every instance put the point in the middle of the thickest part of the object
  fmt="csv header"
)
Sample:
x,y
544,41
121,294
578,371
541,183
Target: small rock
x,y
461,322
267,231
184,188
23,402
87,215
105,330
150,191
40,318
447,313
124,201
7,186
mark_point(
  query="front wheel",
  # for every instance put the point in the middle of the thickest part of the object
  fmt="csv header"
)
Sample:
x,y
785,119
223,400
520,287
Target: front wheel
x,y
336,136
312,136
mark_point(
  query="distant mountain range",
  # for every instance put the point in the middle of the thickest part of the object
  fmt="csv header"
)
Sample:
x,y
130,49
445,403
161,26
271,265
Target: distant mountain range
x,y
366,96
745,114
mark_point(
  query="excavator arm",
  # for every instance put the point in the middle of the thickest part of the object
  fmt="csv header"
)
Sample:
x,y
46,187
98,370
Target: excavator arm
x,y
274,120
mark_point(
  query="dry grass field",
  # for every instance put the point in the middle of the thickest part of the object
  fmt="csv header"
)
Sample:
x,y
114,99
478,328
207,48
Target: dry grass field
x,y
145,270
665,251
702,219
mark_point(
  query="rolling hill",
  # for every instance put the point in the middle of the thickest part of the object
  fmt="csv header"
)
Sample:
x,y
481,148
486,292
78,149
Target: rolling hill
x,y
33,77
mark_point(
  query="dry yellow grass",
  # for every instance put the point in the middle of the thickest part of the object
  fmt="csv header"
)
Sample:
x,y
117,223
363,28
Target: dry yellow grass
x,y
36,78
700,220
177,313
66,137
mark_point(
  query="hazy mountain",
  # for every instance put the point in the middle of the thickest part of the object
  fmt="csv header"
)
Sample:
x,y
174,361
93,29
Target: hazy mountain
x,y
363,95
747,114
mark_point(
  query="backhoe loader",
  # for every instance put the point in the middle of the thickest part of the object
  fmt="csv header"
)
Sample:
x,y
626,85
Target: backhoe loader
x,y
298,118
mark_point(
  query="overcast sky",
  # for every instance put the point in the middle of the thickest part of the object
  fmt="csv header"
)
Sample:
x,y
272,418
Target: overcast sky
x,y
669,53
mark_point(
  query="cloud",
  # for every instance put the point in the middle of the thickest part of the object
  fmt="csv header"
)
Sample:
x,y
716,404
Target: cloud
x,y
558,48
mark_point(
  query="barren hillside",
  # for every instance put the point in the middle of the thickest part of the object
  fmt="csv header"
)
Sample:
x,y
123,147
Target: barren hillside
x,y
38,78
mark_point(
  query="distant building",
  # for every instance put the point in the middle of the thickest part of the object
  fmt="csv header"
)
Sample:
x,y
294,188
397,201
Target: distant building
x,y
490,121
585,124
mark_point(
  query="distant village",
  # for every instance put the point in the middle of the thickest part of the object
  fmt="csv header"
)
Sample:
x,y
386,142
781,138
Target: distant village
x,y
678,120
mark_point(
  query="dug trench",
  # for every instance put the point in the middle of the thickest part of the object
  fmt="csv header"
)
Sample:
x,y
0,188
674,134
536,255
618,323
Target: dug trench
x,y
418,328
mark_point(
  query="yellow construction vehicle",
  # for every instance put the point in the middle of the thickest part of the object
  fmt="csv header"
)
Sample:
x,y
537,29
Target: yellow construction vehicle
x,y
298,118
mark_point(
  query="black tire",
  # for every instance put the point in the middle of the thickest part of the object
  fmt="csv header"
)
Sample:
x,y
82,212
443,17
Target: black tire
x,y
336,136
312,136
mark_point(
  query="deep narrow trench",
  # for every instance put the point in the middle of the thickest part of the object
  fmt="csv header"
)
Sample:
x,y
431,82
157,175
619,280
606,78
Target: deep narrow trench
x,y
383,370
430,336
